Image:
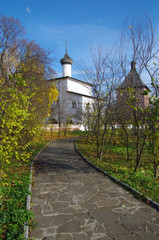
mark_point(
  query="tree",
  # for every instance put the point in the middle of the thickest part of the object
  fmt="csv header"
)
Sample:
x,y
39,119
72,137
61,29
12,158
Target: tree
x,y
23,68
139,127
123,123
103,74
35,62
137,42
153,126
138,45
15,114
32,62
11,32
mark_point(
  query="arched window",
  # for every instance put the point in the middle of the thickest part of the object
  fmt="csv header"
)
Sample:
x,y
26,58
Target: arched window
x,y
73,104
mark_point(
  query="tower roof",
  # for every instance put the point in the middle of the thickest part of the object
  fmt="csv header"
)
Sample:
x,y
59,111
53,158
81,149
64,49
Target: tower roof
x,y
66,59
133,79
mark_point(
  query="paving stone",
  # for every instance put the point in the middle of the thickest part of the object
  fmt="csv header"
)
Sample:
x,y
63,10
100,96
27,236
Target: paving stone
x,y
38,233
59,205
82,218
35,191
97,198
99,229
43,222
103,216
50,212
80,236
64,198
108,203
69,227
72,201
115,193
124,202
128,237
89,234
115,229
36,208
85,196
154,227
149,236
61,219
143,213
51,231
49,238
156,221
125,210
133,226
69,210
38,201
89,228
46,207
89,206
105,238
44,196
53,196
80,190
64,237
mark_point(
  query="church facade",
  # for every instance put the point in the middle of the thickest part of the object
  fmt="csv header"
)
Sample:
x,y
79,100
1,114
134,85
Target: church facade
x,y
74,96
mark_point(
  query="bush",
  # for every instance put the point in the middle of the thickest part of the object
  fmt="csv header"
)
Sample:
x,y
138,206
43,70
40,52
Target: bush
x,y
13,213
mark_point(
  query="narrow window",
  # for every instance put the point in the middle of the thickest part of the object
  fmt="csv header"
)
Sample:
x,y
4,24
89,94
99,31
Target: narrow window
x,y
73,104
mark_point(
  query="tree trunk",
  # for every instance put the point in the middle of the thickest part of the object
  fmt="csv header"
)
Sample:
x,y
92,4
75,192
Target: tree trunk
x,y
127,147
102,146
138,159
156,165
156,170
127,142
65,131
59,129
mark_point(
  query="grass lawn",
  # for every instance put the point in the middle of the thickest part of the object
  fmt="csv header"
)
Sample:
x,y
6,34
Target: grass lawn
x,y
114,162
13,194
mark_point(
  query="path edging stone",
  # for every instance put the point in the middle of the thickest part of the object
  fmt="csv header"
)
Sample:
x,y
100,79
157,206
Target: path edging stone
x,y
28,201
136,193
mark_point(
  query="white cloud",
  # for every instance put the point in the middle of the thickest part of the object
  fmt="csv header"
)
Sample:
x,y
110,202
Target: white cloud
x,y
28,10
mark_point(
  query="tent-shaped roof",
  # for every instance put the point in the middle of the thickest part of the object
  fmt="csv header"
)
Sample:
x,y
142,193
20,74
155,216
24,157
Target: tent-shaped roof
x,y
133,79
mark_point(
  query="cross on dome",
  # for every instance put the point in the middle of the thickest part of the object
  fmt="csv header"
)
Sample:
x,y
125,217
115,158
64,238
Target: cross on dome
x,y
66,63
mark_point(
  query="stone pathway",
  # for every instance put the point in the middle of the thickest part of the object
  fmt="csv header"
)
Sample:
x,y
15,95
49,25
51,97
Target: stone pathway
x,y
72,201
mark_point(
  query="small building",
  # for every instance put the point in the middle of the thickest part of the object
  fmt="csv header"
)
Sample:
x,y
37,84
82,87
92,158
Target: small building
x,y
74,95
132,81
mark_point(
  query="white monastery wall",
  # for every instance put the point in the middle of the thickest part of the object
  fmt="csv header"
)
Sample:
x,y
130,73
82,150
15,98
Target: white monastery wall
x,y
85,101
79,87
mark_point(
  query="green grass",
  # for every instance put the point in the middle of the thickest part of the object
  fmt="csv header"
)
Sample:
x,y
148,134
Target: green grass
x,y
114,162
13,194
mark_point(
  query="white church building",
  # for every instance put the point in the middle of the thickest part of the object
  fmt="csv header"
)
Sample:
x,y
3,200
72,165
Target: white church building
x,y
75,96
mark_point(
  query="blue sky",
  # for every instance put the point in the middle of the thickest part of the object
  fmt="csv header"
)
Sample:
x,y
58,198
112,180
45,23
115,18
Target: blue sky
x,y
81,22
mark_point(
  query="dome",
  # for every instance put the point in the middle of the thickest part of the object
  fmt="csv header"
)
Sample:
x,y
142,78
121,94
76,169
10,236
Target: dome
x,y
66,59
